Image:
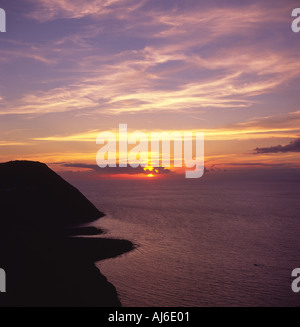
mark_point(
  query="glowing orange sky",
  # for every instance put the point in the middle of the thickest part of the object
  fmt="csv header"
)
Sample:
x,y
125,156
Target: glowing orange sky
x,y
71,69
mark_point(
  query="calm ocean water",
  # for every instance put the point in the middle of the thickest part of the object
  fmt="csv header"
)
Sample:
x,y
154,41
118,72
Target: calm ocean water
x,y
207,242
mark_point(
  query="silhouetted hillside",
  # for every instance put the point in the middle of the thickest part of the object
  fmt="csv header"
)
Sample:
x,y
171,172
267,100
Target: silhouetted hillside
x,y
32,188
44,266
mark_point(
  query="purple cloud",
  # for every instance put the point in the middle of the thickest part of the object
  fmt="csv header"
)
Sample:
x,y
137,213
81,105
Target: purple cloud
x,y
118,170
293,146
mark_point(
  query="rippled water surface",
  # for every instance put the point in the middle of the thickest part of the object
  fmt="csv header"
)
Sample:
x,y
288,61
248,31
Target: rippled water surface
x,y
201,243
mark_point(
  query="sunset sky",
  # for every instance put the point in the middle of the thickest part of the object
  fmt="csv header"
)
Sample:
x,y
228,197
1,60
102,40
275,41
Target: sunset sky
x,y
71,69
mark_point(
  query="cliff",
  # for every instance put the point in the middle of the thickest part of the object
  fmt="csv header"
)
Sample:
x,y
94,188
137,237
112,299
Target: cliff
x,y
44,266
34,189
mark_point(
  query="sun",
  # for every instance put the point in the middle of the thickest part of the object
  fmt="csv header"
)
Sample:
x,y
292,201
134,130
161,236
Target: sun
x,y
150,171
148,168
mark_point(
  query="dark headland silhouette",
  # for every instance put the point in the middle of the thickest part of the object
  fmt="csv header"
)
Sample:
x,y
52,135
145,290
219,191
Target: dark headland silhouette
x,y
44,266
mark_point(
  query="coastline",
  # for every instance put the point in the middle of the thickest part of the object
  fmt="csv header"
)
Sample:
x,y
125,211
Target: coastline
x,y
47,262
44,270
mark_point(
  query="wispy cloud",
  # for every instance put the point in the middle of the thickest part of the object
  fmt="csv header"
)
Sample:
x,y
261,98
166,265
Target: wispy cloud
x,y
168,73
279,126
132,83
72,67
46,10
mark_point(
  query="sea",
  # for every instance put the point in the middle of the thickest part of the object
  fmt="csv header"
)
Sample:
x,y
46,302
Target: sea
x,y
222,240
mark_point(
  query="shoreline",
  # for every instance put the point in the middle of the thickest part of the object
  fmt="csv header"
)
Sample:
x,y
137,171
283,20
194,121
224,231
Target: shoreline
x,y
48,270
47,259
